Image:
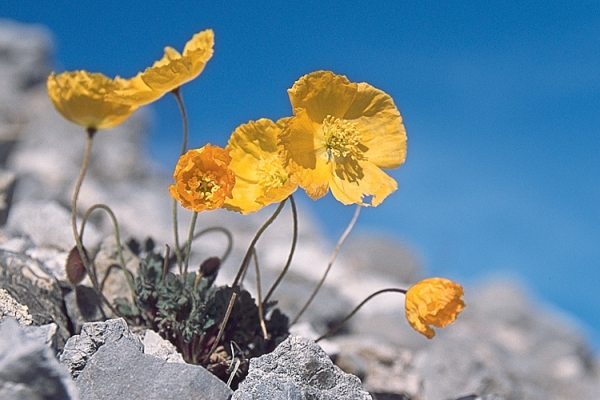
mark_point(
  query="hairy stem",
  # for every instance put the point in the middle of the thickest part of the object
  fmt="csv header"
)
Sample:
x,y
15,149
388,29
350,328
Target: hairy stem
x,y
338,326
261,315
291,254
222,327
176,238
123,266
333,257
179,98
188,248
226,232
177,94
246,259
78,239
84,166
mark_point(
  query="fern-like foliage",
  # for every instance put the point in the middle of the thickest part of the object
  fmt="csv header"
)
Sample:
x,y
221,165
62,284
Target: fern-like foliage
x,y
190,314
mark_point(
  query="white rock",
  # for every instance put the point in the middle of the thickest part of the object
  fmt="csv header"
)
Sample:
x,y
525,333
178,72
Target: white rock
x,y
156,346
10,308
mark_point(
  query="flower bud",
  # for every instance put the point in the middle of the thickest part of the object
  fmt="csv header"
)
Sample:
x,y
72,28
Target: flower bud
x,y
74,266
210,266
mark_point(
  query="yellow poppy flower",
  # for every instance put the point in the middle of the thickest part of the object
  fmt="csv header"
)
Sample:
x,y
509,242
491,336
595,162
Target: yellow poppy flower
x,y
433,301
260,176
171,71
341,135
203,179
83,98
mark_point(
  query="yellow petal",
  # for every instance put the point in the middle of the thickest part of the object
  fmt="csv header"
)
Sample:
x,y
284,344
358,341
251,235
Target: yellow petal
x,y
351,184
168,76
170,55
260,176
135,91
322,93
303,155
203,180
377,118
200,46
83,98
171,71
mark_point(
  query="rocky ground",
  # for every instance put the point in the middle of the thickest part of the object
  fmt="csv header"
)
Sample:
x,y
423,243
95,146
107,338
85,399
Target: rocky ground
x,y
504,345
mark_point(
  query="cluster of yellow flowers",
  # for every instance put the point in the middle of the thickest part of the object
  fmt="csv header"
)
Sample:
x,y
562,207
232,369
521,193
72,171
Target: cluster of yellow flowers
x,y
339,138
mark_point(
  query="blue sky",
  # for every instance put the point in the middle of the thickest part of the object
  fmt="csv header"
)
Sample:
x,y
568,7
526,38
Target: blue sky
x,y
501,102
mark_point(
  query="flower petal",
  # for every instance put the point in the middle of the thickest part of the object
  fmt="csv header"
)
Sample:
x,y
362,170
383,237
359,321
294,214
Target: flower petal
x,y
350,183
322,93
169,75
302,154
136,91
378,119
200,48
203,179
260,177
171,71
83,98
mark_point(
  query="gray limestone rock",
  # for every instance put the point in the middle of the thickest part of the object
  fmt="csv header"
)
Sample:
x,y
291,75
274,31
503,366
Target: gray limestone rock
x,y
28,283
383,256
26,57
80,348
118,370
460,367
15,244
105,262
542,348
83,305
383,368
52,258
46,334
7,186
48,224
298,369
28,368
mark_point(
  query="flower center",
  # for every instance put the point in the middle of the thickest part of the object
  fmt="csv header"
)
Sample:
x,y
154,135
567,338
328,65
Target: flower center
x,y
270,173
204,184
342,139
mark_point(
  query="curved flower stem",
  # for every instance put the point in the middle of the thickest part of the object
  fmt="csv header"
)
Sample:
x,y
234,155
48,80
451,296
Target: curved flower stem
x,y
292,249
217,229
176,238
261,316
123,266
84,166
338,326
165,263
188,248
177,93
246,259
222,327
78,240
331,260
